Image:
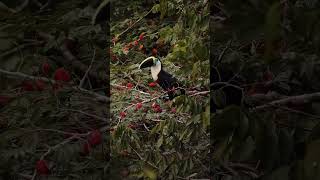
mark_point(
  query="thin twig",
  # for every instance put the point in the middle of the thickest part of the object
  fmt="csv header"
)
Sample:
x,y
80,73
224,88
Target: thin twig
x,y
20,75
142,92
142,159
13,50
89,68
223,52
87,114
300,99
22,6
53,148
200,93
118,36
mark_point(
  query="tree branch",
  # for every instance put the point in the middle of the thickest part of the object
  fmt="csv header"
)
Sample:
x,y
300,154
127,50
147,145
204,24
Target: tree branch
x,y
293,100
19,75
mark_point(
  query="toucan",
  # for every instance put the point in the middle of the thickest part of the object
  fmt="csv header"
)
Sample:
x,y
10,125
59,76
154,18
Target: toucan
x,y
167,81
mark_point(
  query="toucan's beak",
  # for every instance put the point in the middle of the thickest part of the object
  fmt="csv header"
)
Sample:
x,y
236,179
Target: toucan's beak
x,y
147,62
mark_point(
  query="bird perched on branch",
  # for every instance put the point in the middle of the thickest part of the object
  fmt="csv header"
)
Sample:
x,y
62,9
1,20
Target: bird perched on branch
x,y
167,81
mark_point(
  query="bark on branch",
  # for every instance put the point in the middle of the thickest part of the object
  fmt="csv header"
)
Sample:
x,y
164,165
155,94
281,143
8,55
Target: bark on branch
x,y
292,100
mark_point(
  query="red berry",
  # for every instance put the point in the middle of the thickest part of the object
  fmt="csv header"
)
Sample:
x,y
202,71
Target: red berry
x,y
4,100
95,138
136,43
268,76
42,167
114,57
152,84
141,36
154,105
157,109
40,85
62,75
132,126
123,115
129,85
141,47
125,50
86,148
154,51
28,86
139,106
56,86
45,69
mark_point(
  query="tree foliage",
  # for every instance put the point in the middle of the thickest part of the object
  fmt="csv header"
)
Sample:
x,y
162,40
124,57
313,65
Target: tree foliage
x,y
57,120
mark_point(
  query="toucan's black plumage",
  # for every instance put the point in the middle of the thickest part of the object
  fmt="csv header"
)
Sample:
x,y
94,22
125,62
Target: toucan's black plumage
x,y
170,84
166,81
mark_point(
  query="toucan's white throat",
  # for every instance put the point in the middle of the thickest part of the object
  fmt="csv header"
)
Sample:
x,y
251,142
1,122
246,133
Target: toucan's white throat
x,y
155,70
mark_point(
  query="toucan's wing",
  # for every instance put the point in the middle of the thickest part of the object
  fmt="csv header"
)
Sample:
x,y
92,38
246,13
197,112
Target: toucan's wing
x,y
147,62
168,82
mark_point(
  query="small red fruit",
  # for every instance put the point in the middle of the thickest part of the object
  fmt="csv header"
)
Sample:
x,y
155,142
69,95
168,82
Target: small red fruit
x,y
62,75
123,115
152,84
157,109
268,76
139,106
95,138
129,85
141,47
45,68
40,85
136,43
4,100
141,36
56,86
114,57
86,148
125,50
154,105
154,51
27,86
42,167
132,126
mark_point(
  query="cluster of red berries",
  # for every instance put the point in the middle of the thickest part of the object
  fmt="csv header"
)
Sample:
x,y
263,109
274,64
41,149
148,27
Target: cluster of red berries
x,y
130,45
156,108
129,85
134,43
60,75
94,139
4,100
